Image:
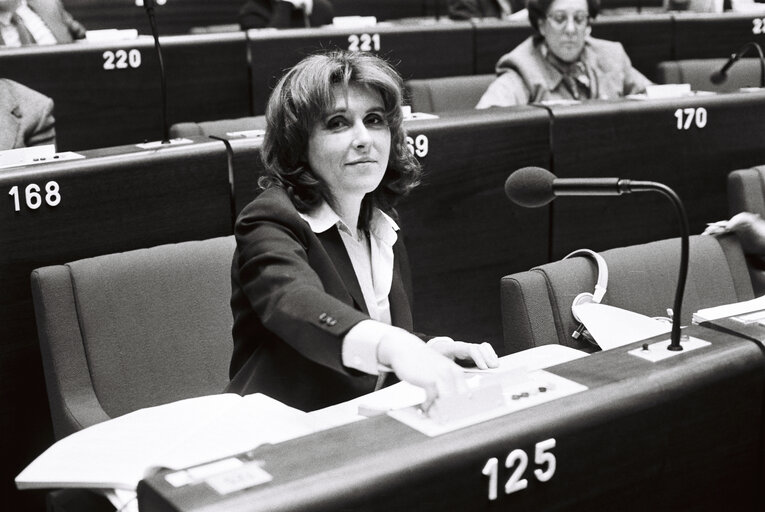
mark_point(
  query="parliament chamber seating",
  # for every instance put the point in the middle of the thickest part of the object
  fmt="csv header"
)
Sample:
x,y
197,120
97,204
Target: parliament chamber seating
x,y
697,73
746,193
124,331
536,304
447,93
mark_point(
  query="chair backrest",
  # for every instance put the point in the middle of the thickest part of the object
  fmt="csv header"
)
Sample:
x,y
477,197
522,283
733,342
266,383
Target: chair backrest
x,y
536,305
744,73
136,329
218,128
447,94
746,193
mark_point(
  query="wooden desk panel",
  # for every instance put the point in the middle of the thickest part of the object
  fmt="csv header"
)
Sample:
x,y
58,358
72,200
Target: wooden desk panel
x,y
641,140
97,107
704,36
114,200
680,435
417,51
175,17
461,231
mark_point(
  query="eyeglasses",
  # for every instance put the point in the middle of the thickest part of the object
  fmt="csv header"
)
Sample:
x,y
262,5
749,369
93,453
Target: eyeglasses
x,y
558,19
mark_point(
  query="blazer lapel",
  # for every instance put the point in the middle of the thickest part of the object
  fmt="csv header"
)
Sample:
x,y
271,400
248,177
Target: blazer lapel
x,y
334,246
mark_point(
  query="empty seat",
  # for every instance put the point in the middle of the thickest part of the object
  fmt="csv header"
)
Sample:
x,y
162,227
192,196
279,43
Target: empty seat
x,y
446,94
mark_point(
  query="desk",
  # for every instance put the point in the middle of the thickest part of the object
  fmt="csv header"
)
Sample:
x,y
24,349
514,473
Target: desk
x,y
684,434
703,36
417,51
642,141
108,94
175,17
114,200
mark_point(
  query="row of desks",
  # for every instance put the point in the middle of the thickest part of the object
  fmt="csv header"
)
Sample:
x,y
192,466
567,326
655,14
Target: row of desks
x,y
683,434
108,94
462,233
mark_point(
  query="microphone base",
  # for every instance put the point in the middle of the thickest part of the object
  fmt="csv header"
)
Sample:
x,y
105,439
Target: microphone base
x,y
659,350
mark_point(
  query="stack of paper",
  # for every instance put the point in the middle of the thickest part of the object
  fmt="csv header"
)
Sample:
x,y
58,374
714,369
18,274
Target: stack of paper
x,y
726,310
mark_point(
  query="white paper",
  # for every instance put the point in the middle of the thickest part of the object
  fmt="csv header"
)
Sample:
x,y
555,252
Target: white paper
x,y
613,327
726,310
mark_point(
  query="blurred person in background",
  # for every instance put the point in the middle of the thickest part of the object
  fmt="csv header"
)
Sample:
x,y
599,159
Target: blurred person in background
x,y
285,14
26,117
36,22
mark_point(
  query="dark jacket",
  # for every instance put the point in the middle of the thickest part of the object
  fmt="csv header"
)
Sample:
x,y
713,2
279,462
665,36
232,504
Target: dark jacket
x,y
26,117
278,14
466,9
287,281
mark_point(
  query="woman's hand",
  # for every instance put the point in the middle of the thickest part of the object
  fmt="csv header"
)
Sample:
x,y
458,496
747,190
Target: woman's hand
x,y
417,363
306,5
482,355
749,227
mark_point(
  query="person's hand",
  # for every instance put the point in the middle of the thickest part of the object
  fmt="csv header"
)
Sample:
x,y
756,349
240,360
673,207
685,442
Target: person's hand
x,y
416,363
306,5
482,355
749,227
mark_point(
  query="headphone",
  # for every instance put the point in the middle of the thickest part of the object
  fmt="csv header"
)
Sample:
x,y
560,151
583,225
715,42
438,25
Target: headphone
x,y
595,297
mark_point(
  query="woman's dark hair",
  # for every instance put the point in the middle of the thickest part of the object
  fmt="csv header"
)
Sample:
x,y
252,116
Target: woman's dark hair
x,y
538,10
302,98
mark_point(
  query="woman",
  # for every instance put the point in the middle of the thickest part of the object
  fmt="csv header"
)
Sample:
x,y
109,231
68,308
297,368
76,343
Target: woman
x,y
320,279
285,14
561,61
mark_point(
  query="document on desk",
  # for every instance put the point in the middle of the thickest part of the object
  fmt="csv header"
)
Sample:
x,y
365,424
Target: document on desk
x,y
745,319
614,327
118,453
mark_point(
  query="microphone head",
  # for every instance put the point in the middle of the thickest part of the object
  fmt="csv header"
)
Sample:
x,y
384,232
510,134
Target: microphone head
x,y
718,77
530,187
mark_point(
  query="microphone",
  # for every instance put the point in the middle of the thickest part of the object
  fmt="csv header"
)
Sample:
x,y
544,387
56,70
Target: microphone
x,y
721,75
149,6
533,187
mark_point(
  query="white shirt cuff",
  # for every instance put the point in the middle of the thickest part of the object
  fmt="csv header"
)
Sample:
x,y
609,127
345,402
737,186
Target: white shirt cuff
x,y
360,347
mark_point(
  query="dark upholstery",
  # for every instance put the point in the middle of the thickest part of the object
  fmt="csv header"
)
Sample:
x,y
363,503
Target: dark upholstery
x,y
744,73
136,329
218,128
536,305
447,94
746,193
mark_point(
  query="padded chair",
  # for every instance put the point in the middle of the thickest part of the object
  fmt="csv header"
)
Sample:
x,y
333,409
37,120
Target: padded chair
x,y
744,73
218,128
746,193
136,329
536,305
436,95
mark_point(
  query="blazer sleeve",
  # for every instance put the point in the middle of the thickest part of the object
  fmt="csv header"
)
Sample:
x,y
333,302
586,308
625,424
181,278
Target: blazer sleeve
x,y
285,290
42,130
506,90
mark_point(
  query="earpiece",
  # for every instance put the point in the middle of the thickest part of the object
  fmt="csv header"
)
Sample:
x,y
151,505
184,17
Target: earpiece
x,y
596,296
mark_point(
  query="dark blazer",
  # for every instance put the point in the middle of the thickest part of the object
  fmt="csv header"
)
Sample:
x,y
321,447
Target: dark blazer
x,y
466,9
63,26
26,117
278,14
294,297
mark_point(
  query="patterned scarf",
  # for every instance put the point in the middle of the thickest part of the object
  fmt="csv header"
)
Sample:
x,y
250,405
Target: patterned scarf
x,y
575,76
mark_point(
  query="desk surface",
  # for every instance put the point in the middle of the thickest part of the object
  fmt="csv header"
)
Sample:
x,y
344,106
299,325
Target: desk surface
x,y
645,436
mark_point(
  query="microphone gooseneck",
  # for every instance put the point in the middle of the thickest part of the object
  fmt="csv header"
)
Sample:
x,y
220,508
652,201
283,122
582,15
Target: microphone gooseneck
x,y
149,6
533,187
721,75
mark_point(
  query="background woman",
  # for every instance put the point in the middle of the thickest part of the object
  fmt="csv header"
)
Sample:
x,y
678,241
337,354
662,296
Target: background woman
x,y
561,61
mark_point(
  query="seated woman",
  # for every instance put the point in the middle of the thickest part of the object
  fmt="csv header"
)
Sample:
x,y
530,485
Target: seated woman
x,y
561,61
285,14
321,287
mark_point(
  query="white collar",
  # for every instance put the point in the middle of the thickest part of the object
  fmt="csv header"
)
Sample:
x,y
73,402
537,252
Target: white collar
x,y
323,217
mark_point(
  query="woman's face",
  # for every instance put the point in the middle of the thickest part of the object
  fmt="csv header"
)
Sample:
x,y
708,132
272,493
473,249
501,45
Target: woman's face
x,y
565,28
348,149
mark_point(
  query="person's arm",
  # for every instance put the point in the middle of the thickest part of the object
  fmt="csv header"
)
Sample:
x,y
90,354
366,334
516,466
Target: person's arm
x,y
76,29
634,81
43,131
269,14
464,9
750,229
506,90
